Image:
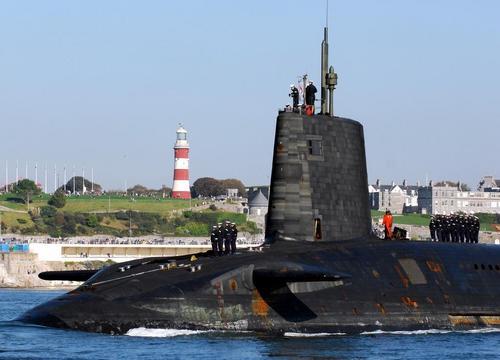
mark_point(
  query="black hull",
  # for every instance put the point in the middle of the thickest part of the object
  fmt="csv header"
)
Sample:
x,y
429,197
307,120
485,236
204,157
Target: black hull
x,y
389,286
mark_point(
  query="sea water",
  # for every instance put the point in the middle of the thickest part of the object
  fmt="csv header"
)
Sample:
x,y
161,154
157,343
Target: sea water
x,y
22,341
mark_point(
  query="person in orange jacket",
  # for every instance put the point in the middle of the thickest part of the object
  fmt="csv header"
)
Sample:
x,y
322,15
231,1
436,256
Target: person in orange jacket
x,y
387,222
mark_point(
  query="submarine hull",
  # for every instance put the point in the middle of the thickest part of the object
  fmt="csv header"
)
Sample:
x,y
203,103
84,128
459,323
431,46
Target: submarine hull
x,y
378,285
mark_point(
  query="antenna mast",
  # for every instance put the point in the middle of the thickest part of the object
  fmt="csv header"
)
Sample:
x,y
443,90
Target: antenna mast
x,y
328,75
324,69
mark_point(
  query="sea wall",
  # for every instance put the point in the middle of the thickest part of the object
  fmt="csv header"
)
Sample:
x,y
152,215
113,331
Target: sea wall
x,y
20,270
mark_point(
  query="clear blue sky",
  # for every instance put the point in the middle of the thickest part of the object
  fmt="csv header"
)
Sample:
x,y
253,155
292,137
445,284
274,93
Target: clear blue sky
x,y
104,84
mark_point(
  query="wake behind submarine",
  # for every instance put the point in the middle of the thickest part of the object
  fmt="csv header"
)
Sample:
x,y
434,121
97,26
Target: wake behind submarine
x,y
319,270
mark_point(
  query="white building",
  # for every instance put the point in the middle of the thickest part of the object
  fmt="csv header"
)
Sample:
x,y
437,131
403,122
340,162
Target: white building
x,y
447,197
398,199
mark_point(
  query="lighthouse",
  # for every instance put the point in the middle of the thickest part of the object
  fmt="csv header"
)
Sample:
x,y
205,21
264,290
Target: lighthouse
x,y
180,189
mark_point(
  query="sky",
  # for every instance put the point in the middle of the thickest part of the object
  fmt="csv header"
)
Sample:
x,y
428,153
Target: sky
x,y
103,85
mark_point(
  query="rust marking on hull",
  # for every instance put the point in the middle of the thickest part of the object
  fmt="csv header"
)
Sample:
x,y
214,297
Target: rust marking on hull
x,y
404,279
380,308
491,320
233,284
463,320
259,306
409,302
433,266
220,300
474,320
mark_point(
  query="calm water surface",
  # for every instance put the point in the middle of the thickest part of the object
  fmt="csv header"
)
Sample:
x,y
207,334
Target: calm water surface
x,y
19,341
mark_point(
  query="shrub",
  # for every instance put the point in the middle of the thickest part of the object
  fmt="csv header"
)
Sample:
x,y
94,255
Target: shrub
x,y
48,212
57,200
92,220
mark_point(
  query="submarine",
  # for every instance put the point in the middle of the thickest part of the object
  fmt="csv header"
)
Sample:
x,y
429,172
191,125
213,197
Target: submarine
x,y
319,270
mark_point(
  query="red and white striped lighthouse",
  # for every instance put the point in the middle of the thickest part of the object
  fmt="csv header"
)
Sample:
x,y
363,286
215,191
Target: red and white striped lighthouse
x,y
180,189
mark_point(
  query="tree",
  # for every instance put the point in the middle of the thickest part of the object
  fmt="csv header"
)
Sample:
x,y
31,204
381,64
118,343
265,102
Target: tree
x,y
207,186
57,200
234,184
79,183
138,190
25,189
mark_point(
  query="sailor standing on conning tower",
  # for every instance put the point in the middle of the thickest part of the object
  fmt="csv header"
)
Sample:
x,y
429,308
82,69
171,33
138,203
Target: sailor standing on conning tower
x,y
311,94
294,94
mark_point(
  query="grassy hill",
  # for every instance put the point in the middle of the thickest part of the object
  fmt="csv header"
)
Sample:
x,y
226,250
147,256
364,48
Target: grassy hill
x,y
103,204
115,215
15,216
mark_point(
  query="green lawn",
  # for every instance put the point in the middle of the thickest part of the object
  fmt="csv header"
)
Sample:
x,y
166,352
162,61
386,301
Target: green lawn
x,y
104,204
87,204
20,220
408,219
418,219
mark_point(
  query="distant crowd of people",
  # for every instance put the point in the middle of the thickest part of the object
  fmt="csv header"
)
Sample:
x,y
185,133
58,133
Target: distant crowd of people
x,y
125,241
223,238
455,228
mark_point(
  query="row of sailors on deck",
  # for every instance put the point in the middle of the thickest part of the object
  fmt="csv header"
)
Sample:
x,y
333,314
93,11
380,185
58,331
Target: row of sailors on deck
x,y
223,238
455,228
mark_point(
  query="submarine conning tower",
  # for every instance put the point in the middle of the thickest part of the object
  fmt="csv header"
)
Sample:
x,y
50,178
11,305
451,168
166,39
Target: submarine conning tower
x,y
319,183
319,186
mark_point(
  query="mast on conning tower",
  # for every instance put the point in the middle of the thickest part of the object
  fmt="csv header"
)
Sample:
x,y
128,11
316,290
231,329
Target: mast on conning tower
x,y
328,77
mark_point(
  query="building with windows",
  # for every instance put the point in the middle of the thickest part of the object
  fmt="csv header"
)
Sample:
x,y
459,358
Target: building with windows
x,y
398,199
488,184
448,197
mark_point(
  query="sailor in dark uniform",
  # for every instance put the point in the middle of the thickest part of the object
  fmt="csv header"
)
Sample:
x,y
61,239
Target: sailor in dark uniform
x,y
467,228
214,240
446,229
475,229
454,228
227,238
432,228
220,239
294,94
461,228
234,236
439,227
311,94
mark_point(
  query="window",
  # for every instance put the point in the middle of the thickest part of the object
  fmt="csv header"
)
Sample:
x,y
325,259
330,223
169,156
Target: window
x,y
315,147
